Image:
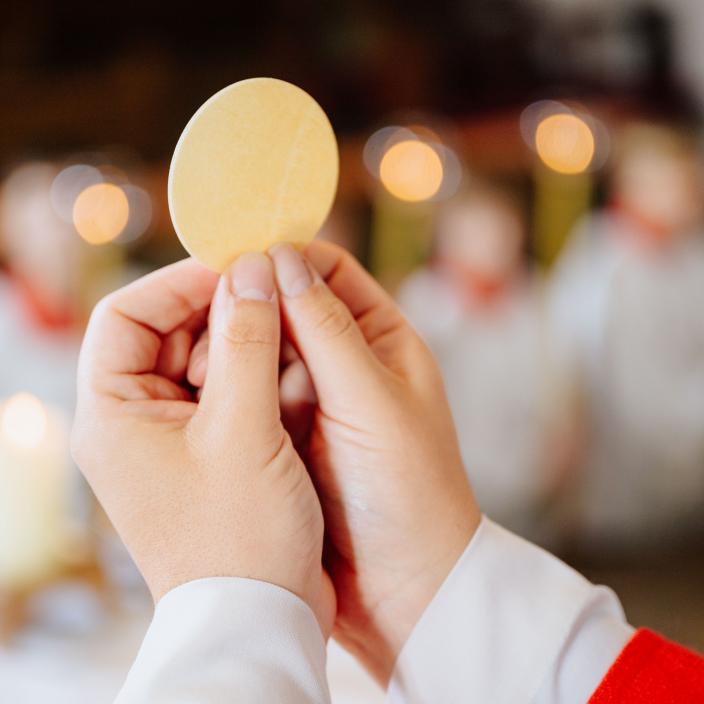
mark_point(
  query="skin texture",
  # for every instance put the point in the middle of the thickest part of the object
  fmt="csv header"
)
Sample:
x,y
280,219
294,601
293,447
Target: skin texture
x,y
381,448
198,488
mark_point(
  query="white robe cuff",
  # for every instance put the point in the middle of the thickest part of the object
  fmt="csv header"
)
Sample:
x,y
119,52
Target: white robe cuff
x,y
220,640
512,624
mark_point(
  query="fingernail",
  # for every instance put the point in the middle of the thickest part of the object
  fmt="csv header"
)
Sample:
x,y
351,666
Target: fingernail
x,y
252,277
292,273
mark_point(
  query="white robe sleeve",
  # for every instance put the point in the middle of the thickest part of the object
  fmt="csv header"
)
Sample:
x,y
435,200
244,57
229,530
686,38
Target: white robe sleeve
x,y
221,640
511,624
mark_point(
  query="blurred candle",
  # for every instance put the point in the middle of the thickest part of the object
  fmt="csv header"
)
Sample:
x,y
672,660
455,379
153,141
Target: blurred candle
x,y
564,186
34,484
560,201
570,146
401,237
412,175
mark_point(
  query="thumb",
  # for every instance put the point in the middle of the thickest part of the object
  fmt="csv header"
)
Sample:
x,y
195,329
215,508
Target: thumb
x,y
326,334
241,386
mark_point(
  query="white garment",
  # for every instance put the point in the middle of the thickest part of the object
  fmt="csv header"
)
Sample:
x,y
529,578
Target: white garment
x,y
504,386
511,623
233,640
34,360
632,322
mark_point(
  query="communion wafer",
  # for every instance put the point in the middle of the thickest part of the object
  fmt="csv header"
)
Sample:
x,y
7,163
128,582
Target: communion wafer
x,y
257,164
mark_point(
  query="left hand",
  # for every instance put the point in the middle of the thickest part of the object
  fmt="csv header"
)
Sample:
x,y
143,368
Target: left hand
x,y
198,488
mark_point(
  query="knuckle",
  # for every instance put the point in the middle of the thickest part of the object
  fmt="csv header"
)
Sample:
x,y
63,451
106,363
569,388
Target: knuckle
x,y
421,359
248,331
101,308
381,321
333,320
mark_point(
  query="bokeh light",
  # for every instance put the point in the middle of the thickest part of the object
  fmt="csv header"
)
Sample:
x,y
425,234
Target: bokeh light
x,y
535,113
24,421
411,170
68,185
379,142
140,213
101,213
452,172
565,143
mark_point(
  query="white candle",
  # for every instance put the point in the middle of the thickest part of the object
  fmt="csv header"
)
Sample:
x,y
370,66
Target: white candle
x,y
34,490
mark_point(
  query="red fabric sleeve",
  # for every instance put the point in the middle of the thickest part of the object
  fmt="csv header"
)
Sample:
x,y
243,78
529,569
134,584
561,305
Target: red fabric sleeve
x,y
653,670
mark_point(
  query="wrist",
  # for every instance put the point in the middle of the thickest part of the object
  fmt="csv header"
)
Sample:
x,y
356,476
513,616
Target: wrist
x,y
377,636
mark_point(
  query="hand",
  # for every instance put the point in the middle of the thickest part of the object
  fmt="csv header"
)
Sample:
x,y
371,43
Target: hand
x,y
198,488
382,450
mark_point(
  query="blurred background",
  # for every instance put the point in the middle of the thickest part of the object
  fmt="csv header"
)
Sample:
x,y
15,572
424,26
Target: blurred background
x,y
525,176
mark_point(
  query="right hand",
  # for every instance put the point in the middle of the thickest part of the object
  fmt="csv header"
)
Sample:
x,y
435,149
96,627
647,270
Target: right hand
x,y
382,451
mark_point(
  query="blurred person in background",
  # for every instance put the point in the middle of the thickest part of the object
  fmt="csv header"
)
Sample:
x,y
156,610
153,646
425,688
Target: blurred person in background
x,y
482,313
38,296
628,301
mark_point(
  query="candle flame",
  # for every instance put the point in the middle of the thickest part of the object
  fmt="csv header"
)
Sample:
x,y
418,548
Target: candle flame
x,y
411,170
100,213
565,143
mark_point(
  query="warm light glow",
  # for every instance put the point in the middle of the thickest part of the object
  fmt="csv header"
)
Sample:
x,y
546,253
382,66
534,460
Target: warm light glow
x,y
565,143
100,213
140,213
411,170
67,186
24,421
379,142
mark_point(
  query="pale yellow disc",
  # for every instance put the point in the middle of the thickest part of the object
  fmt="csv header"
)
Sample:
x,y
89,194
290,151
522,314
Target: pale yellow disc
x,y
256,165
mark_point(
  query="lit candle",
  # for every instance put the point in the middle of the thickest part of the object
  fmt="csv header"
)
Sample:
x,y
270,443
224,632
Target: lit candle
x,y
34,491
412,176
564,184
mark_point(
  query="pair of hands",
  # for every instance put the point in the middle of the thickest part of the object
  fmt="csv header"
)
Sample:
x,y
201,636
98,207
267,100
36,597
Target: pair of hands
x,y
327,459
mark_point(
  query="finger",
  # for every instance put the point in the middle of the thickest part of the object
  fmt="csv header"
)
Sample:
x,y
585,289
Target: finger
x,y
125,329
371,306
241,387
296,386
147,387
297,402
174,355
168,297
198,362
328,338
289,354
177,347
